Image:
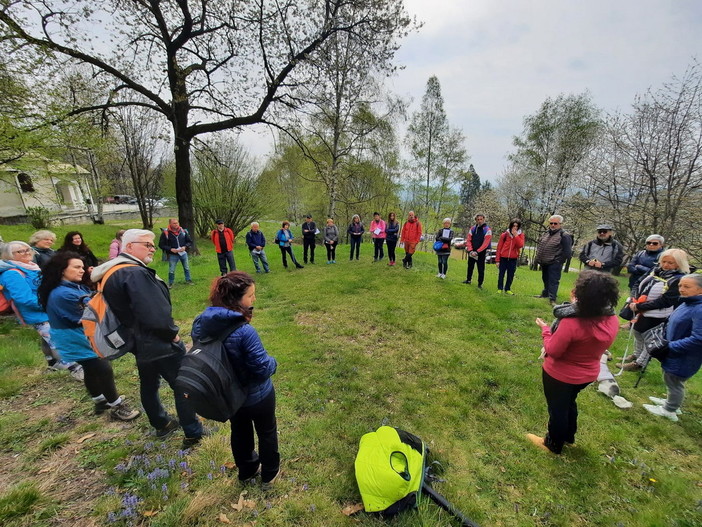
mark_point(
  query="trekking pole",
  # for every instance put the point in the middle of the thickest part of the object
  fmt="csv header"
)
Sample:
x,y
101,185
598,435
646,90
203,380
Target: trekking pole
x,y
626,351
641,373
448,507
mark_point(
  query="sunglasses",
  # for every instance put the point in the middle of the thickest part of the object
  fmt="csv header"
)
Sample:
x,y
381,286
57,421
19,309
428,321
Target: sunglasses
x,y
651,243
602,231
553,223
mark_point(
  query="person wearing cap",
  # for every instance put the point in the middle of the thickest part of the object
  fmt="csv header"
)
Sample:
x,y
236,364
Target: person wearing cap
x,y
604,253
309,230
644,261
223,241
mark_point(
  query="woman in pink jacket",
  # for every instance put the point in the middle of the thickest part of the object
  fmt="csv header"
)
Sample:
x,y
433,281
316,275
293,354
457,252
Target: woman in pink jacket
x,y
508,248
377,230
572,354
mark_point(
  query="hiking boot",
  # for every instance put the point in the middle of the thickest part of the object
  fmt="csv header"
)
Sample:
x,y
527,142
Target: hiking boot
x,y
660,411
171,426
101,407
629,358
631,366
123,412
267,485
190,442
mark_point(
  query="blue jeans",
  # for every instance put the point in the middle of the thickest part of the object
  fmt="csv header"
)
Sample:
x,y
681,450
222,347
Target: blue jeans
x,y
225,258
355,243
173,259
256,257
551,277
149,383
509,266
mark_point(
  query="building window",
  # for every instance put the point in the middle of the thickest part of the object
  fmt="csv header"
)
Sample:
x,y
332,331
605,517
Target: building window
x,y
25,182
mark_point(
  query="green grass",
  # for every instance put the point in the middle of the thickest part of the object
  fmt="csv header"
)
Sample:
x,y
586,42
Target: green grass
x,y
360,345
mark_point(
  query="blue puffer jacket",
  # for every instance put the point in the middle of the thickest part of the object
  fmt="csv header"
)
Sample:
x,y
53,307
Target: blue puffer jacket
x,y
249,357
20,285
65,308
684,334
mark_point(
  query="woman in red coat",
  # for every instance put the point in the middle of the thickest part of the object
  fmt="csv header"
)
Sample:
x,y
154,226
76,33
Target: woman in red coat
x,y
508,249
411,236
572,354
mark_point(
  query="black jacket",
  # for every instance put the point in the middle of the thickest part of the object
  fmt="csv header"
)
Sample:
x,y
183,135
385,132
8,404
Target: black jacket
x,y
142,303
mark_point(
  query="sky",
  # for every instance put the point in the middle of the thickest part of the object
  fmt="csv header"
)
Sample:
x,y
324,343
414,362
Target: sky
x,y
498,60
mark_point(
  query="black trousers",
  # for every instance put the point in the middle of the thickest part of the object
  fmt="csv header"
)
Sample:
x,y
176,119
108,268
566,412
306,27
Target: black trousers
x,y
355,243
261,417
285,251
308,243
99,379
481,267
391,249
331,251
378,253
562,411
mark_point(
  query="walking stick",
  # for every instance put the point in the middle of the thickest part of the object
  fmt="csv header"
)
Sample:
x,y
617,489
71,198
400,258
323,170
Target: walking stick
x,y
626,351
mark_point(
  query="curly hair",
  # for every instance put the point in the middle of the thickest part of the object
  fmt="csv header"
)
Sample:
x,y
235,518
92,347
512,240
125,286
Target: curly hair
x,y
597,293
52,274
228,290
68,243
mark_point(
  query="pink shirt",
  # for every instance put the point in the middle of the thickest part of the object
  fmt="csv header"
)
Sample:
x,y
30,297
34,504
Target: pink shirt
x,y
573,352
377,225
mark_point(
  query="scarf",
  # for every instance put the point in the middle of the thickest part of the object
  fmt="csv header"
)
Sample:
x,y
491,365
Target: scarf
x,y
31,266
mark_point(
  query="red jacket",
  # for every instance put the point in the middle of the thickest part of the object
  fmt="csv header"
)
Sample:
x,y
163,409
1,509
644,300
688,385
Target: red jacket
x,y
411,232
574,350
509,246
228,236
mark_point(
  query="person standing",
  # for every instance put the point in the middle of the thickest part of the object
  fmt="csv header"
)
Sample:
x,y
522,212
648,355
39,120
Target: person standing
x,y
284,240
554,247
355,232
411,236
256,241
508,248
331,240
223,241
175,242
644,261
41,242
392,230
232,298
478,242
377,230
604,253
444,236
140,300
116,244
309,233
572,355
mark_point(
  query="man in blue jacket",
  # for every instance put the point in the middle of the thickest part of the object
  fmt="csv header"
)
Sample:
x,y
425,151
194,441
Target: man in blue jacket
x,y
256,241
175,242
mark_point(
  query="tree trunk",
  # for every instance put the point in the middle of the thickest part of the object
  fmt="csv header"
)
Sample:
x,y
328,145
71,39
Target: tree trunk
x,y
183,184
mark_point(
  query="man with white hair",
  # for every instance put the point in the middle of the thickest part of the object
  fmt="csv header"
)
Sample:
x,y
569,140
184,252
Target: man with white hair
x,y
142,303
256,241
554,248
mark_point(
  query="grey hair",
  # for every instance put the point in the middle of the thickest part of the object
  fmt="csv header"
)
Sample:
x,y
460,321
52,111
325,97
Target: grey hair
x,y
557,216
11,247
255,223
41,235
680,257
656,238
446,220
133,235
697,277
355,216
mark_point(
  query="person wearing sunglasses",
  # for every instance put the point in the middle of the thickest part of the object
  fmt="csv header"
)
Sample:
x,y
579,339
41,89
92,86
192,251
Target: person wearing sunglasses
x,y
644,261
604,253
554,248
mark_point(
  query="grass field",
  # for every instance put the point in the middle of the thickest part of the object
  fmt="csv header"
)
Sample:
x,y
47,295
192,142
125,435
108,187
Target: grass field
x,y
358,344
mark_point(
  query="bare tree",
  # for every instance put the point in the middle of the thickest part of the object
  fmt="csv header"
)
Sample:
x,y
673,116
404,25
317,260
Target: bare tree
x,y
205,66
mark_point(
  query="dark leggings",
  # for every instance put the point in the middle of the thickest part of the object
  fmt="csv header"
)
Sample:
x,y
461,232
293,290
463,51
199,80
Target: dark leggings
x,y
355,243
562,411
331,251
391,249
99,378
378,248
261,417
443,263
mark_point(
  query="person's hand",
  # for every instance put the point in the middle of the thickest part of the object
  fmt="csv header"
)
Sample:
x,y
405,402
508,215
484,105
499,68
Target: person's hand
x,y
540,322
633,307
176,339
514,230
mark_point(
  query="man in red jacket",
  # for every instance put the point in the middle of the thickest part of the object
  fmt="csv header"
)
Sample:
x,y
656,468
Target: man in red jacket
x,y
223,241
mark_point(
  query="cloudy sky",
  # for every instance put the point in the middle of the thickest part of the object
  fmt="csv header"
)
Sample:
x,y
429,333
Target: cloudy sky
x,y
498,60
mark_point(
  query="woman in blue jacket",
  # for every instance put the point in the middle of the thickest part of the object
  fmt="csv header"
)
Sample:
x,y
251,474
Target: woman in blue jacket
x,y
283,239
232,297
63,297
19,278
392,230
684,334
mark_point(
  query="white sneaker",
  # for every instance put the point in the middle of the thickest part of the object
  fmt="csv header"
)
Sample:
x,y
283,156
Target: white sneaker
x,y
438,275
661,402
660,411
77,372
443,277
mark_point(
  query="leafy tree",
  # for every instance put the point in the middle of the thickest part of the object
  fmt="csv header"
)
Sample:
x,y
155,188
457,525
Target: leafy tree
x,y
205,66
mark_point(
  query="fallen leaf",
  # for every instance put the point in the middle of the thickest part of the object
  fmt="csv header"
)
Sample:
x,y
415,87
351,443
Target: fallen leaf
x,y
223,518
503,469
352,509
249,504
44,470
229,465
86,437
149,514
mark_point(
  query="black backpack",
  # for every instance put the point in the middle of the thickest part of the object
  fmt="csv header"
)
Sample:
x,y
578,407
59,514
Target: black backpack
x,y
208,380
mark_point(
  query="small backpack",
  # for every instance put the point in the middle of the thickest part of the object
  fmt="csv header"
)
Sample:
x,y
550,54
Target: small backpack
x,y
208,380
106,334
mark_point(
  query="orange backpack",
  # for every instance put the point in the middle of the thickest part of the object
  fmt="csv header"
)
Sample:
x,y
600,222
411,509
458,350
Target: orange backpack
x,y
108,337
7,307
